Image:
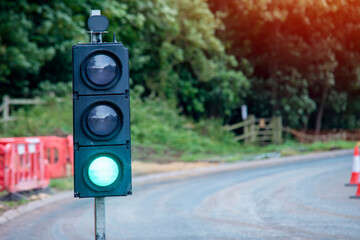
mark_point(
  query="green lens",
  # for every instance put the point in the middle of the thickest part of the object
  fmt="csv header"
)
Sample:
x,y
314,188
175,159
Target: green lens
x,y
103,171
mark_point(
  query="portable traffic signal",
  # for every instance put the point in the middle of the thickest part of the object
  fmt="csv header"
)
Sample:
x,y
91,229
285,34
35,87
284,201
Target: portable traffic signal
x,y
101,119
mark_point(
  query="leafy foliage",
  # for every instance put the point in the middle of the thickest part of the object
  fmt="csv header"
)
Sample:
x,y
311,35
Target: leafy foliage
x,y
174,51
305,56
298,59
154,124
35,44
177,56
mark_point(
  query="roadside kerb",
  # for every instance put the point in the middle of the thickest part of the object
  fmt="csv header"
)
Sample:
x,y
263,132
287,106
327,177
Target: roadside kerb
x,y
13,213
158,177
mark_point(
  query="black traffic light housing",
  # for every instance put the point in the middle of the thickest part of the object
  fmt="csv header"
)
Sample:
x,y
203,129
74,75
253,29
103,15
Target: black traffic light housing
x,y
101,120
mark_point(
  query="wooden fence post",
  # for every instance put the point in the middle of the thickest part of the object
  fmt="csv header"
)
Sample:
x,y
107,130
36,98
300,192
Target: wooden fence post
x,y
280,129
246,131
253,131
6,111
277,129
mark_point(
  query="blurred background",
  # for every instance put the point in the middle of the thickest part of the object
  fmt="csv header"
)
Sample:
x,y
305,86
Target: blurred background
x,y
287,71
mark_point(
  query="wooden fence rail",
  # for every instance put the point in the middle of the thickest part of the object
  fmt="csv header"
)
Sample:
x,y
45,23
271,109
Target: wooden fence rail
x,y
6,106
323,136
269,130
261,130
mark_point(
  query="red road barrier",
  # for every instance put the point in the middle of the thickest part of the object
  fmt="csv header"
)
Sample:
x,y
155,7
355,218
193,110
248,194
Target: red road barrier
x,y
23,166
29,162
2,167
57,151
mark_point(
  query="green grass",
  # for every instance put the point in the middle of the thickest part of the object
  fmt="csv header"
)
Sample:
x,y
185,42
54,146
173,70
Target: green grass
x,y
62,183
332,145
290,147
15,203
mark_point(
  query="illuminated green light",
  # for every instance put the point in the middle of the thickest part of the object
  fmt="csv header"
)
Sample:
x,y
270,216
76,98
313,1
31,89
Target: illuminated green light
x,y
103,171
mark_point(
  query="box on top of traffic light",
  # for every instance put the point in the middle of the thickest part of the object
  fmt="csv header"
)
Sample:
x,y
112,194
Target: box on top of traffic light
x,y
101,120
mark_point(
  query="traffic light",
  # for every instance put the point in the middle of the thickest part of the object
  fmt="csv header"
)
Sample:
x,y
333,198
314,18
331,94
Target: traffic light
x,y
101,120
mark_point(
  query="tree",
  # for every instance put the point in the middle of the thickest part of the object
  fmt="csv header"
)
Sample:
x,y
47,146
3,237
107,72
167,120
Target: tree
x,y
175,53
35,43
177,56
287,42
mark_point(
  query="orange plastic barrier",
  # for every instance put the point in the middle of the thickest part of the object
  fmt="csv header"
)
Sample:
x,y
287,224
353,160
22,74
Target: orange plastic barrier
x,y
2,168
23,166
29,162
58,151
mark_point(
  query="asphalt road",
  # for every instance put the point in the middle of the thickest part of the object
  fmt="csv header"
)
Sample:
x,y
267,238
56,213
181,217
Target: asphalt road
x,y
302,200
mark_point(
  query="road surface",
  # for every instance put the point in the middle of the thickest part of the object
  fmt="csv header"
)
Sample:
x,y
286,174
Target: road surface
x,y
302,200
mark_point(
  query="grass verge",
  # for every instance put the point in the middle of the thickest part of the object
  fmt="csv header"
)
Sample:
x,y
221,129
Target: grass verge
x,y
62,183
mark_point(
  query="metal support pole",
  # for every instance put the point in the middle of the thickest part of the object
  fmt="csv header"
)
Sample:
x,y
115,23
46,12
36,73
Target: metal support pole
x,y
99,208
99,202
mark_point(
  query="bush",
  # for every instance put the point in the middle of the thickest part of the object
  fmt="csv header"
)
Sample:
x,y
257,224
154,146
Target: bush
x,y
154,124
